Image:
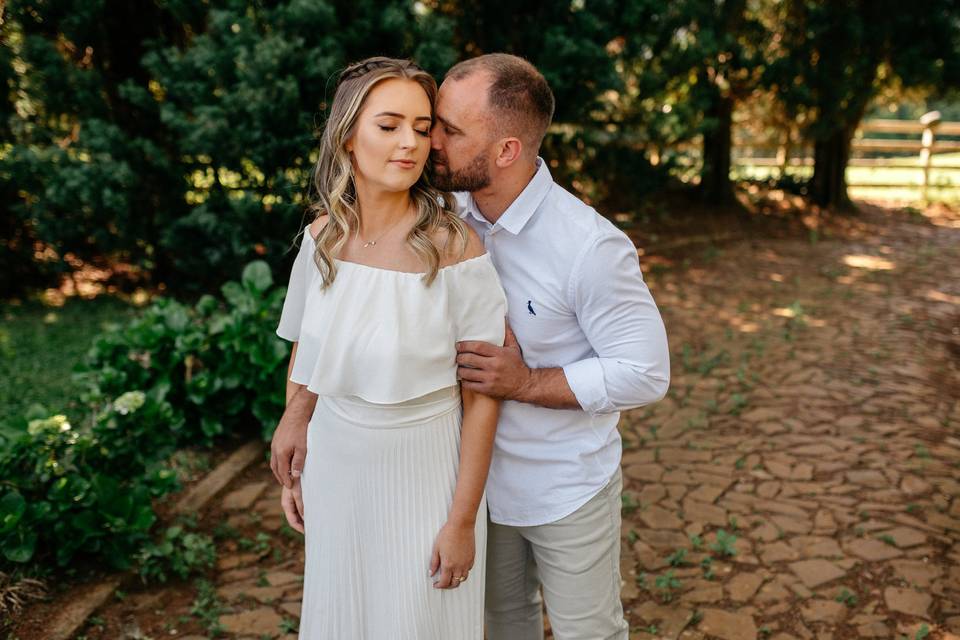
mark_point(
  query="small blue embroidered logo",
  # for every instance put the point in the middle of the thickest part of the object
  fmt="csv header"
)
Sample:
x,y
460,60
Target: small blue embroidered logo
x,y
530,307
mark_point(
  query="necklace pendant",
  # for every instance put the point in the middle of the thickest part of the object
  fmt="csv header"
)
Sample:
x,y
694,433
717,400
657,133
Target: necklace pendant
x,y
371,243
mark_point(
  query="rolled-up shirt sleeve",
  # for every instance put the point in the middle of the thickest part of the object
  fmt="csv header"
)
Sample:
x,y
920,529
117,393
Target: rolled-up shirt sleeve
x,y
620,320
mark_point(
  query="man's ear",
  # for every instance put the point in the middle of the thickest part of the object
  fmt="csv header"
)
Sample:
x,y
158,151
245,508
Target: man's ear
x,y
510,151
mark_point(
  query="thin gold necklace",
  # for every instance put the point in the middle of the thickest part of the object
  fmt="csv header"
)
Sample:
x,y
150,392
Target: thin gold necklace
x,y
373,243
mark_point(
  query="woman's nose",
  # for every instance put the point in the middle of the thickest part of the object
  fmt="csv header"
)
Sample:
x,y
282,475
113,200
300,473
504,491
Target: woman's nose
x,y
408,139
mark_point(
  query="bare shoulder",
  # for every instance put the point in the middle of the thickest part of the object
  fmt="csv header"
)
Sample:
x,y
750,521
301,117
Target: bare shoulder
x,y
317,225
474,247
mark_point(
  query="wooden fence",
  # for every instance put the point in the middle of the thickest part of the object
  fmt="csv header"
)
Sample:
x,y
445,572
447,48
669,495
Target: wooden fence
x,y
917,144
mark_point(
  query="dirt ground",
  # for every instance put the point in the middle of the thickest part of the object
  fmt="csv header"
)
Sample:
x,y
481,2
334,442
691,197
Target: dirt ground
x,y
801,480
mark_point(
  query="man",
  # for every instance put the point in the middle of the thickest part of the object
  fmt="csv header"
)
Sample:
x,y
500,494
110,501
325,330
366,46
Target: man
x,y
587,341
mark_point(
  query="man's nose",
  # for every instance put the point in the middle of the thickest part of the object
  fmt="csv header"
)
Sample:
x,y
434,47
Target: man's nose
x,y
436,135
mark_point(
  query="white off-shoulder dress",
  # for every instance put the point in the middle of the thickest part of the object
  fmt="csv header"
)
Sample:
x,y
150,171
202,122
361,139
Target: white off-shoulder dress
x,y
383,444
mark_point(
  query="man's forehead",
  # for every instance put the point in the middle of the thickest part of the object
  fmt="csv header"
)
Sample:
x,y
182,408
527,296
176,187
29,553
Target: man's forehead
x,y
469,92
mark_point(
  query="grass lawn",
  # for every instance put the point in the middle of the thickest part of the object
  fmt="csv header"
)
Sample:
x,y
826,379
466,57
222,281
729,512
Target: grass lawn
x,y
39,346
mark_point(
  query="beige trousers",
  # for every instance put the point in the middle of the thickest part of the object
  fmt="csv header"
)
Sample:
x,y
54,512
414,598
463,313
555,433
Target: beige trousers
x,y
576,560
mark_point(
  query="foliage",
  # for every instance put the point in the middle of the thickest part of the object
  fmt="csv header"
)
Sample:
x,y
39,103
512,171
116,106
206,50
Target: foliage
x,y
831,58
85,489
220,367
177,136
175,376
179,552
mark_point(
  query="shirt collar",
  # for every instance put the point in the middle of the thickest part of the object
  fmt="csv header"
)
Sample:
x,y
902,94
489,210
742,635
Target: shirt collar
x,y
515,218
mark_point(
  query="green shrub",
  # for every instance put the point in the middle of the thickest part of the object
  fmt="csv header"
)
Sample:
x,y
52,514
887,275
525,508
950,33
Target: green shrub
x,y
220,366
86,488
179,552
175,376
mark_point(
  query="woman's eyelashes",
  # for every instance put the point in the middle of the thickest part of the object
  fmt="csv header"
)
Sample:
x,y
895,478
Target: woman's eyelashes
x,y
423,132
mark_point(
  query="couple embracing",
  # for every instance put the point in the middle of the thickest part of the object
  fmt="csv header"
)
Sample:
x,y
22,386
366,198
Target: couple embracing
x,y
465,332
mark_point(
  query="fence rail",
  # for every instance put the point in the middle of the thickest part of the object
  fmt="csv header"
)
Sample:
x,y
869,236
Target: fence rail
x,y
928,133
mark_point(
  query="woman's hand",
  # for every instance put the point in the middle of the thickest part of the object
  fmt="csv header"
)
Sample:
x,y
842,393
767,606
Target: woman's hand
x,y
291,500
453,554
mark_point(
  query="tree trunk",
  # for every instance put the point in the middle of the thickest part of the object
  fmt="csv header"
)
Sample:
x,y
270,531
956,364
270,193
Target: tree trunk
x,y
715,185
828,187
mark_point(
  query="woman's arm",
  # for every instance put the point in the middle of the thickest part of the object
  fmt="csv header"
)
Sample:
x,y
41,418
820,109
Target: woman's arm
x,y
292,387
288,448
480,415
455,547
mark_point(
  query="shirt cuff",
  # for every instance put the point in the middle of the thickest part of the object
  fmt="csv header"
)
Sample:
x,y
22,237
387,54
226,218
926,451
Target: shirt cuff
x,y
585,378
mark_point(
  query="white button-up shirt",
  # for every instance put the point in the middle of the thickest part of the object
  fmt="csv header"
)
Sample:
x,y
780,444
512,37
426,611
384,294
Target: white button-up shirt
x,y
576,300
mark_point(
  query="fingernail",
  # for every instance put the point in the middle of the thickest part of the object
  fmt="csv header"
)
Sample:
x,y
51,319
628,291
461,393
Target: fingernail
x,y
295,473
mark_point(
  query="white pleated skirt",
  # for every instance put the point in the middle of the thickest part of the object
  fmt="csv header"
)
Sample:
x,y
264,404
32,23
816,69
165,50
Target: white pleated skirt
x,y
378,482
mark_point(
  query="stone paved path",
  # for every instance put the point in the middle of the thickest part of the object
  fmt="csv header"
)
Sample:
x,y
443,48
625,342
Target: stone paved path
x,y
801,480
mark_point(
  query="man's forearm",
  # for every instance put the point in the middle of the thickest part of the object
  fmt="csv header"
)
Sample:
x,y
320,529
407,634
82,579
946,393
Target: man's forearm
x,y
547,388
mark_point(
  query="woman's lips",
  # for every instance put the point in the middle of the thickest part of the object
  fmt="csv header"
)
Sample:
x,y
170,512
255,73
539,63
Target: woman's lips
x,y
406,164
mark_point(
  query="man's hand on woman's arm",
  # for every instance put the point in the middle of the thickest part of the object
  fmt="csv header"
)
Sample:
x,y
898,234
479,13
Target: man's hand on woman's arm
x,y
500,372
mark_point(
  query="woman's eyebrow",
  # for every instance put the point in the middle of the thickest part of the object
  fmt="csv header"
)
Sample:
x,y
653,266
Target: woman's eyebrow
x,y
400,115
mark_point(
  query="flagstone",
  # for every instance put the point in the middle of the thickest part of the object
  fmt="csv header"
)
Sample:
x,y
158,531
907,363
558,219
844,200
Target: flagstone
x,y
728,625
243,497
704,594
672,456
816,450
779,469
816,572
263,621
824,521
670,620
907,601
651,494
942,522
873,630
777,552
702,512
871,549
867,478
761,414
771,428
905,536
816,546
768,489
706,493
773,591
792,525
659,518
766,532
644,472
282,577
916,572
912,485
743,586
829,611
664,538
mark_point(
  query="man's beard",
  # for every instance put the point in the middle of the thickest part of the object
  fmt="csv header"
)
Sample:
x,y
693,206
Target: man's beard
x,y
473,177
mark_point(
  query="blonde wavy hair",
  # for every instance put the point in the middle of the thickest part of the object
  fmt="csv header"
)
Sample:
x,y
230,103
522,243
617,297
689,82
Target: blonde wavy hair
x,y
333,184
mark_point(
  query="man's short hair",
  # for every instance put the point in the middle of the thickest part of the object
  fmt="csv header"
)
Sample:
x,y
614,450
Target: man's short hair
x,y
519,95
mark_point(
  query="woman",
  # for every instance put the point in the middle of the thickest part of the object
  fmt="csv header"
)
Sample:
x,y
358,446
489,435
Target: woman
x,y
387,280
